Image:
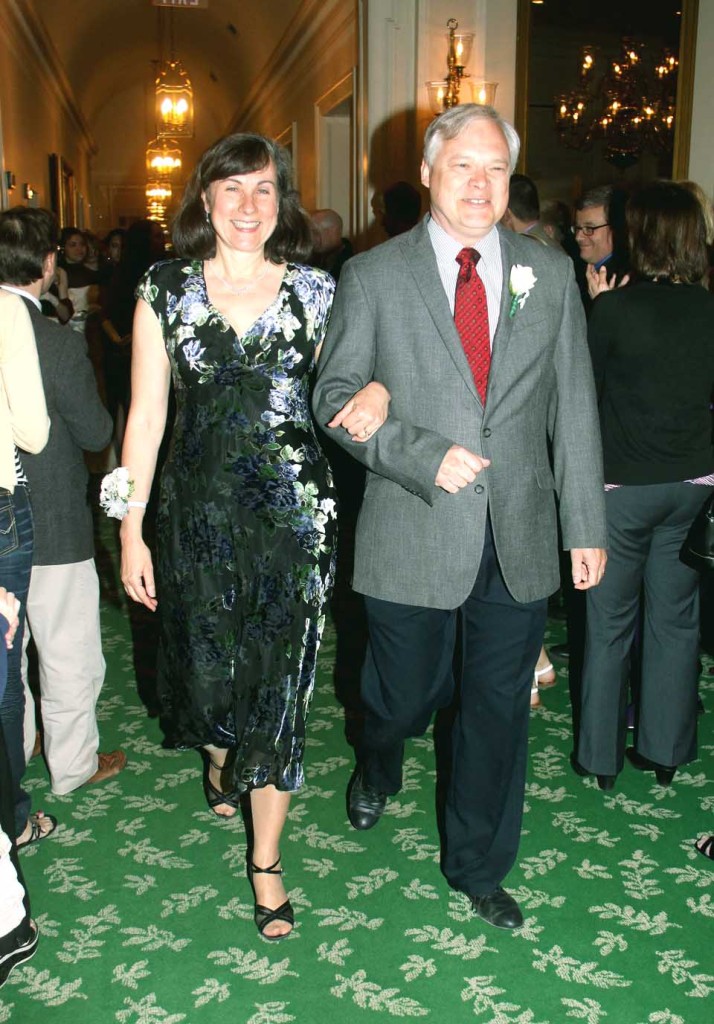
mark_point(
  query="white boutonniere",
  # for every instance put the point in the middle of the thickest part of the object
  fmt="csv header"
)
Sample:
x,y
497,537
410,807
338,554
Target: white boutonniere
x,y
520,286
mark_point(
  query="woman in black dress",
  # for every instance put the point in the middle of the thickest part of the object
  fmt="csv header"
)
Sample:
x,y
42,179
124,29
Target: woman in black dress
x,y
246,518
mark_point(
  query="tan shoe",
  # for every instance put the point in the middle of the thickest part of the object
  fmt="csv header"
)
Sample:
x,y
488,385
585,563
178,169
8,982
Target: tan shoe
x,y
109,766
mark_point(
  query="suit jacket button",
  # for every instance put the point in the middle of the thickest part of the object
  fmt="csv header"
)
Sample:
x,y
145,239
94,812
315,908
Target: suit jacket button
x,y
487,432
479,488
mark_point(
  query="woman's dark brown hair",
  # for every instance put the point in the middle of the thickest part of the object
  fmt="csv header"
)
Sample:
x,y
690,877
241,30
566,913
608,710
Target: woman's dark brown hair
x,y
243,153
667,233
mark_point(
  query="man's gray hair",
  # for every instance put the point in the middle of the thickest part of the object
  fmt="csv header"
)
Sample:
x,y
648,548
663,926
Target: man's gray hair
x,y
452,122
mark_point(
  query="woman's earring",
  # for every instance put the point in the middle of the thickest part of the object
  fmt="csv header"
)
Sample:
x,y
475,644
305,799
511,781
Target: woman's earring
x,y
208,215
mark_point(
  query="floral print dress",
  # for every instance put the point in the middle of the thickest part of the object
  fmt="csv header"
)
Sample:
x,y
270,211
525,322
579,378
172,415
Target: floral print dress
x,y
245,525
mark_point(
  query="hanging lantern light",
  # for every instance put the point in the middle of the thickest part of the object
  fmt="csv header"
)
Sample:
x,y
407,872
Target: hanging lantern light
x,y
163,158
174,101
158,192
158,196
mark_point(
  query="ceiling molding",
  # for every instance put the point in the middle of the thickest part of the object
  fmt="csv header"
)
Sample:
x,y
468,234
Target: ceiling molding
x,y
318,25
25,29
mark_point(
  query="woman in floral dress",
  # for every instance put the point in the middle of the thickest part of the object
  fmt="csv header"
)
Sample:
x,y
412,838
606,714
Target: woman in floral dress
x,y
245,526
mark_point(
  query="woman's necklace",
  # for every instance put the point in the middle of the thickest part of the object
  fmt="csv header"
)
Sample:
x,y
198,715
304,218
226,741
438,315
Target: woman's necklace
x,y
244,287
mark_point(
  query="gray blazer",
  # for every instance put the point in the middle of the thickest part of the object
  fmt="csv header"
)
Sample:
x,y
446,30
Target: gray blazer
x,y
391,322
78,421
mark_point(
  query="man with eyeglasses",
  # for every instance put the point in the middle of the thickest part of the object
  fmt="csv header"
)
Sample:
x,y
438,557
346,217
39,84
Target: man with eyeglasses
x,y
595,231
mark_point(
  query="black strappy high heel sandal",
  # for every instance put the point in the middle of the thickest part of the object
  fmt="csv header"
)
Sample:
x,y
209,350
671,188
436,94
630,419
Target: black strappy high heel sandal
x,y
215,797
264,916
705,846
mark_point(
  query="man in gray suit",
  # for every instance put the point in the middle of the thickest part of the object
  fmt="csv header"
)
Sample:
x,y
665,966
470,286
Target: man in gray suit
x,y
459,513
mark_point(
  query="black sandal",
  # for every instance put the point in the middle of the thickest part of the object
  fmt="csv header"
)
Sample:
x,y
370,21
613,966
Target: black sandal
x,y
37,833
215,797
705,846
264,916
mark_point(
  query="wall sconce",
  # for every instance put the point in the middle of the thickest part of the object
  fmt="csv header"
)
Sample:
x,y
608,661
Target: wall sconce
x,y
28,191
483,93
9,181
446,93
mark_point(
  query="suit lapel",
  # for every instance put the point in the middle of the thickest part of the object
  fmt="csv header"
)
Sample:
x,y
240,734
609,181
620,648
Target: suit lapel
x,y
505,321
419,254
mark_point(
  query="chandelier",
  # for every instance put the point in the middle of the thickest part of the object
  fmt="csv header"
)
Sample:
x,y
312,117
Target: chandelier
x,y
173,103
158,196
163,157
173,91
163,161
174,100
628,108
446,93
158,192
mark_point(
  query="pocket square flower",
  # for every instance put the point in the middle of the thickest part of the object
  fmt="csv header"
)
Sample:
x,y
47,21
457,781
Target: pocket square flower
x,y
520,285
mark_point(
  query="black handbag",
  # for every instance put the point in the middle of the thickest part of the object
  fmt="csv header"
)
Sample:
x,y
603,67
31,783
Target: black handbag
x,y
698,548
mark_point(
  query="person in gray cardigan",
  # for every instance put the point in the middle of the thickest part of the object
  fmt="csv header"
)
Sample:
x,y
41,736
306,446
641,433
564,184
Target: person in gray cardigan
x,y
63,602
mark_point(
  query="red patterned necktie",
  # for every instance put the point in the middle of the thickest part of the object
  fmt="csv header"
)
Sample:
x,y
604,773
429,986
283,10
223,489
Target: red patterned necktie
x,y
471,318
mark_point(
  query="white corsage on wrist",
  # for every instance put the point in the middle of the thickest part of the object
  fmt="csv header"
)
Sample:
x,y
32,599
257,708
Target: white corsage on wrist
x,y
115,492
520,286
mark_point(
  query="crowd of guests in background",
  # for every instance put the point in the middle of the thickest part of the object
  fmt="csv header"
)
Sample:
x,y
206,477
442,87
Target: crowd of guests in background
x,y
66,324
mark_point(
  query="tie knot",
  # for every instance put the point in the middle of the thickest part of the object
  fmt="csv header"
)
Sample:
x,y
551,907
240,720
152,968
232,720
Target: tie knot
x,y
467,260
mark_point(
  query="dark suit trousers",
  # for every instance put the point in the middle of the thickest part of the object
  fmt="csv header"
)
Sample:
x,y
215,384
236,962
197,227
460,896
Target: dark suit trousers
x,y
408,675
8,941
646,528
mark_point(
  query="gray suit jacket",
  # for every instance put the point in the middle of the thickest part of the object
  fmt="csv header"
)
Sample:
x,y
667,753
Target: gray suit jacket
x,y
78,421
538,233
391,322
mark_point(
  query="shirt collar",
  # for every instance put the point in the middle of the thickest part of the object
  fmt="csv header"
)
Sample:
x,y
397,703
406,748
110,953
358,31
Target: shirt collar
x,y
22,293
603,261
448,247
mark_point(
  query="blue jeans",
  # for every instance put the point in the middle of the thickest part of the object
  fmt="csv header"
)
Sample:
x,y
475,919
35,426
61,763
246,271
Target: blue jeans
x,y
15,569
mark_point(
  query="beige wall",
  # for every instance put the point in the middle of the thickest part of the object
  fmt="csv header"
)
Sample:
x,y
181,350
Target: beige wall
x,y
38,113
310,73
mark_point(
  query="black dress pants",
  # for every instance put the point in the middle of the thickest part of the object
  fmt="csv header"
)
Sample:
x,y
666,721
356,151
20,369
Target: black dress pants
x,y
646,528
408,675
9,942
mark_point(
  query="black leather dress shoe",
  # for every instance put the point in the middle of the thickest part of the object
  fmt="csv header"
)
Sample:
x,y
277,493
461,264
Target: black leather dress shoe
x,y
364,804
604,781
663,773
498,908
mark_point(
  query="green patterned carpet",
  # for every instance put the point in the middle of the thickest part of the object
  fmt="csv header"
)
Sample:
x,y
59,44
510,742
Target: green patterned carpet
x,y
145,914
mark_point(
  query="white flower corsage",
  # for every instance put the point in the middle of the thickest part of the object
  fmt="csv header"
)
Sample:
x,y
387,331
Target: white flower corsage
x,y
115,492
520,286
